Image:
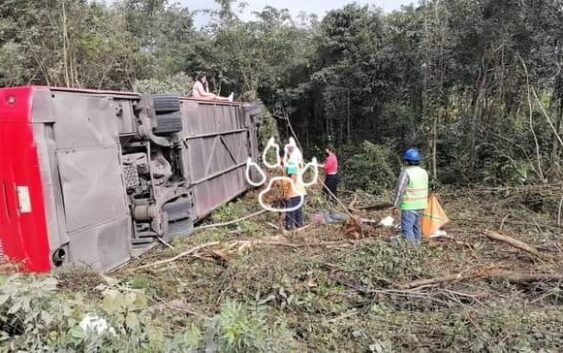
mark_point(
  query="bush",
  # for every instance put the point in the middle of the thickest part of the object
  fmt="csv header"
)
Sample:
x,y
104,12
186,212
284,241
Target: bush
x,y
374,168
179,84
268,129
37,317
237,329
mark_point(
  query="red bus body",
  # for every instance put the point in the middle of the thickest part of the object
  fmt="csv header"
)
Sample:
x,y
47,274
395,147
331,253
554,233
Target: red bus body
x,y
93,178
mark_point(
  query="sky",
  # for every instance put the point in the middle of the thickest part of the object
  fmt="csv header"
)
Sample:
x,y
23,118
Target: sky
x,y
318,7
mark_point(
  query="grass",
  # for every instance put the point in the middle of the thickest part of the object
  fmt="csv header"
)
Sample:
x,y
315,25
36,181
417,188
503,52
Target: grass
x,y
277,298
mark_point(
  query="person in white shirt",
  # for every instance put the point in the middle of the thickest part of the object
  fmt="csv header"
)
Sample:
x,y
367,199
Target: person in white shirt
x,y
293,154
201,90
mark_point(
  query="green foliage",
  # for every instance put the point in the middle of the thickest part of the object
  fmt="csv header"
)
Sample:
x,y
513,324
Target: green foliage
x,y
35,316
238,329
454,78
268,129
400,261
235,210
179,84
230,211
70,43
12,68
373,168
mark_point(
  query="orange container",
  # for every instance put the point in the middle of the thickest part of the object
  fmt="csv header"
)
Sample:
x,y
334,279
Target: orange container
x,y
433,217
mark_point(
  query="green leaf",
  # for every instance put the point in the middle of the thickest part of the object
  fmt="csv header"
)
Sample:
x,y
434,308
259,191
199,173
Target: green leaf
x,y
77,333
132,320
113,303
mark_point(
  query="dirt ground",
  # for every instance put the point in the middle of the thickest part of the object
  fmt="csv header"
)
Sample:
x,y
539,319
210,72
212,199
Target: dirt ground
x,y
340,294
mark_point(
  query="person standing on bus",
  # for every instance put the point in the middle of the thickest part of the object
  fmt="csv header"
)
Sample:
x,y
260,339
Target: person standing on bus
x,y
200,90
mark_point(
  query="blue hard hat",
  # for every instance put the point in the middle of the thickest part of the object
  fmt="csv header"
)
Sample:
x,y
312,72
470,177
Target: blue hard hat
x,y
412,155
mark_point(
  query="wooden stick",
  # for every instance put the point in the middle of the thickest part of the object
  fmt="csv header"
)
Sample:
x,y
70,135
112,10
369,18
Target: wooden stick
x,y
273,225
230,222
435,280
514,242
378,206
512,277
525,278
353,203
164,242
258,242
172,259
516,223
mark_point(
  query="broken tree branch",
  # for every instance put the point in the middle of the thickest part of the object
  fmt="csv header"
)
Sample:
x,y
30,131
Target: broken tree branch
x,y
435,280
525,278
515,223
377,207
514,242
511,277
230,222
164,242
185,253
353,203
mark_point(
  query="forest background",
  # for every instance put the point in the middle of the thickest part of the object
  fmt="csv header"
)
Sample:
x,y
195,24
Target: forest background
x,y
476,85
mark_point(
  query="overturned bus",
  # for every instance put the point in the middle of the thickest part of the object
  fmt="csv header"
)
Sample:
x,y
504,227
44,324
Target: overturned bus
x,y
94,178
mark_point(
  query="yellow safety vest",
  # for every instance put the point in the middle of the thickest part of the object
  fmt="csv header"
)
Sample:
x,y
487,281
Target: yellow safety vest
x,y
416,195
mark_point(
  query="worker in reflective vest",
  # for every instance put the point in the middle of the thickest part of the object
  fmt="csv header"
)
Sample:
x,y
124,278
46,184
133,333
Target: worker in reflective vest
x,y
411,196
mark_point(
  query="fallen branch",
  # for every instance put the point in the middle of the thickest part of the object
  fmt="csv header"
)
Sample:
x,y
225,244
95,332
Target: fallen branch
x,y
436,280
525,278
273,225
512,277
369,292
172,259
377,207
369,221
298,230
244,244
515,223
230,222
353,203
514,242
164,242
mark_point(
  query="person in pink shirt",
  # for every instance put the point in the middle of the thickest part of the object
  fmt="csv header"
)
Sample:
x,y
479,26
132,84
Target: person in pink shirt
x,y
331,171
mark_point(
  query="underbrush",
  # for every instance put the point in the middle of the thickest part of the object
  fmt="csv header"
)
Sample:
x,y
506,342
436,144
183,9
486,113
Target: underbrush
x,y
35,317
296,294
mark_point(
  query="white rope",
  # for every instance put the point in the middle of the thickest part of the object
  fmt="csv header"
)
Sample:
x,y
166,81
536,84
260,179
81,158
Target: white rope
x,y
286,118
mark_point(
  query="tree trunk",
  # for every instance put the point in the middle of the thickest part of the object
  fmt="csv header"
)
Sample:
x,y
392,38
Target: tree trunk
x,y
65,44
434,146
348,128
477,110
555,142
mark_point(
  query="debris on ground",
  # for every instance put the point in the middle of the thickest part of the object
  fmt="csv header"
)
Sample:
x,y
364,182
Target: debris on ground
x,y
352,286
328,217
